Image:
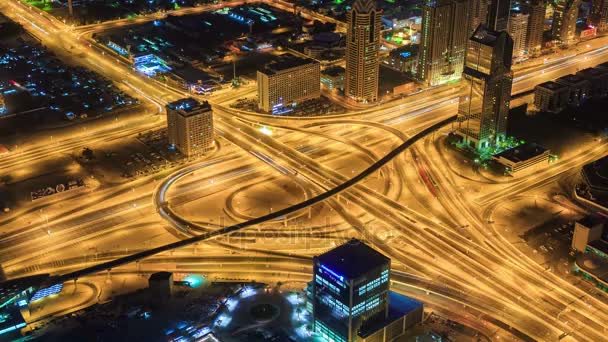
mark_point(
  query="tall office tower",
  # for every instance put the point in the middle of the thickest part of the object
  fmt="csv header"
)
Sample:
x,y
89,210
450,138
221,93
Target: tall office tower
x,y
351,298
564,20
478,14
484,103
443,41
362,51
285,82
190,126
498,15
518,30
599,14
536,25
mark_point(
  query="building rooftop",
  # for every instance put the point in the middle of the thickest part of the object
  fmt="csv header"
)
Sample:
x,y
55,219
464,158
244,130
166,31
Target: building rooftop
x,y
334,71
592,72
352,259
189,106
286,62
571,79
522,152
13,287
485,36
552,85
192,75
593,265
596,174
398,306
600,245
592,220
160,276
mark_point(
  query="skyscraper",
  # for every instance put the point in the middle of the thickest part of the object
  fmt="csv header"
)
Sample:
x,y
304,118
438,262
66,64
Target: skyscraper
x,y
478,14
565,15
443,40
484,103
362,51
518,30
498,15
599,14
536,25
351,298
190,126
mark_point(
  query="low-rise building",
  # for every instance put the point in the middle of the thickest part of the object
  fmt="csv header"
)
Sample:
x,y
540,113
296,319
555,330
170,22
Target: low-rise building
x,y
590,239
587,231
333,78
195,80
579,89
551,97
595,177
403,59
190,126
160,285
286,82
525,157
598,77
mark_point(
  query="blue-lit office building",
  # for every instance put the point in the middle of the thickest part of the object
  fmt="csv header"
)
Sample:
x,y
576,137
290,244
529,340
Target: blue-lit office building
x,y
351,300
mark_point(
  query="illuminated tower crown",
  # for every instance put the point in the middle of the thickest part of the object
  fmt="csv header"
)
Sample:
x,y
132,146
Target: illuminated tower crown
x,y
364,6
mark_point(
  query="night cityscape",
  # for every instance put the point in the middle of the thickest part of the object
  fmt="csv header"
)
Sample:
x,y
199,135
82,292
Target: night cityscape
x,y
304,170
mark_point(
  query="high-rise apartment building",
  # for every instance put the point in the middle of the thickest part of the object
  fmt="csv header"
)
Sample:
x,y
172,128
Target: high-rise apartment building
x,y
443,40
599,14
518,30
351,298
498,15
285,82
362,51
478,14
487,76
536,25
565,15
190,126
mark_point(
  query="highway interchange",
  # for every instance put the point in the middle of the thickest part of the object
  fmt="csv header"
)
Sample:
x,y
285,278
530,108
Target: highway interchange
x,y
474,273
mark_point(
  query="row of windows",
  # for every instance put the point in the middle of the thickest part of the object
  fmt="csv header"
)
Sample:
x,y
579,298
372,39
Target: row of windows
x,y
337,306
366,305
374,283
324,282
327,333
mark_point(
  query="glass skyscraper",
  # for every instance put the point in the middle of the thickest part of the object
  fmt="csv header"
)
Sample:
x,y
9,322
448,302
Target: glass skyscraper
x,y
350,286
487,76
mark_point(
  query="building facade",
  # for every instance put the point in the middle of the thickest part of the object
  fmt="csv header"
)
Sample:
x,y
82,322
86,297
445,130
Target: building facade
x,y
478,14
518,30
599,15
334,78
579,88
498,15
551,97
286,82
362,51
524,158
565,14
190,126
351,297
442,41
484,103
536,25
